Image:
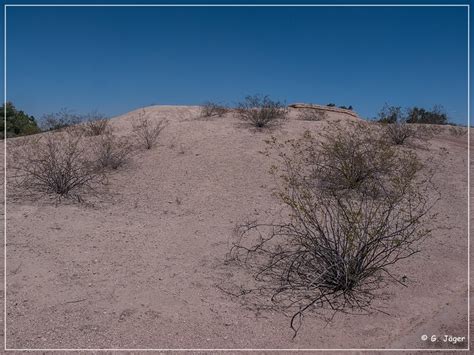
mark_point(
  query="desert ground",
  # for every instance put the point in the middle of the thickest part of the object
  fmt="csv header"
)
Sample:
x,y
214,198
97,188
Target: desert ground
x,y
142,263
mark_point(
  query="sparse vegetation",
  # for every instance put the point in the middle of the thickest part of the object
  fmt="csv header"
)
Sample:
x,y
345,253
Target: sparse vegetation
x,y
60,120
396,129
209,109
146,130
261,111
18,123
399,132
391,114
96,124
350,159
111,151
355,207
55,163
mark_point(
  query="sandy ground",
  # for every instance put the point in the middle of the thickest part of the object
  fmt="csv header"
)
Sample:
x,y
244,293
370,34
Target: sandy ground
x,y
142,266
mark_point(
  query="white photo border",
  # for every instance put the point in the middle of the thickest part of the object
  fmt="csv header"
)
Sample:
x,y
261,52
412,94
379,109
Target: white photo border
x,y
467,6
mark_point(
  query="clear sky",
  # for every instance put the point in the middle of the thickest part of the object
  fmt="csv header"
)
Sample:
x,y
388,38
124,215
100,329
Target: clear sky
x,y
118,59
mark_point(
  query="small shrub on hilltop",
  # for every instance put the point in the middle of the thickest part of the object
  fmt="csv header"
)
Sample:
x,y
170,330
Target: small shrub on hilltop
x,y
146,130
391,114
209,109
261,111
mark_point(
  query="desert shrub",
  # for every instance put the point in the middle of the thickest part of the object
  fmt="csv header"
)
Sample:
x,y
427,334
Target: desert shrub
x,y
331,105
436,115
309,114
59,164
146,130
334,250
351,158
391,114
96,124
209,109
399,132
60,120
111,151
261,111
396,129
18,123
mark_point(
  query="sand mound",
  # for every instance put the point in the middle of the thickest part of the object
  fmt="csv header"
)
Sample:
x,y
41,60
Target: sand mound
x,y
142,267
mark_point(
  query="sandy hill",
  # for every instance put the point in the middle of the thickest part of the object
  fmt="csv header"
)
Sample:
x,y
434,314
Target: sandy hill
x,y
142,266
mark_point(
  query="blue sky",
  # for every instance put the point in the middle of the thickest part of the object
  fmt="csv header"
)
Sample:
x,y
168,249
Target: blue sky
x,y
118,59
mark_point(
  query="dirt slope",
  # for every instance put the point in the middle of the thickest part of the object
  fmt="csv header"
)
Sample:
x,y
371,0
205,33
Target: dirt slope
x,y
141,267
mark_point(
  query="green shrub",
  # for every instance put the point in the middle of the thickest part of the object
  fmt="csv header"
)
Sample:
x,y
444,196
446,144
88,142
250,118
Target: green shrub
x,y
18,122
437,115
351,158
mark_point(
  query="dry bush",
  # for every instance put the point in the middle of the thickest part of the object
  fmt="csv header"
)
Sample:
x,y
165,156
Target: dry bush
x,y
261,111
309,114
146,130
351,158
56,163
209,109
399,132
60,120
334,249
111,151
96,124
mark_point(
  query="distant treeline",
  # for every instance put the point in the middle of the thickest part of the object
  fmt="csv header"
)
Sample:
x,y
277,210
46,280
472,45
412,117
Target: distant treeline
x,y
394,114
18,122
